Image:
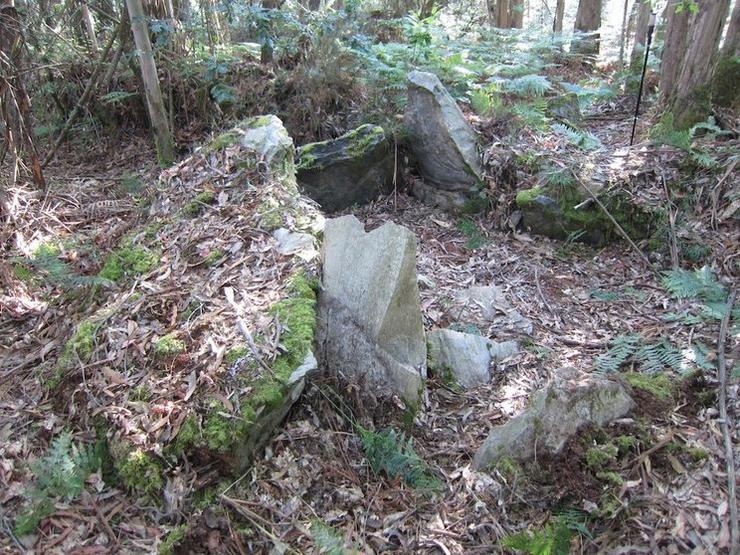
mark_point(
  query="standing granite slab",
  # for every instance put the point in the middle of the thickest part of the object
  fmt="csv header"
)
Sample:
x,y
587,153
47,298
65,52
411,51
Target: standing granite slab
x,y
443,143
369,324
350,170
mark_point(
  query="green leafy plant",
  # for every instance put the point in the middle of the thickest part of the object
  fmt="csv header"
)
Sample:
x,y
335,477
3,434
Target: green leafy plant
x,y
553,539
471,230
393,454
582,139
61,473
328,540
527,85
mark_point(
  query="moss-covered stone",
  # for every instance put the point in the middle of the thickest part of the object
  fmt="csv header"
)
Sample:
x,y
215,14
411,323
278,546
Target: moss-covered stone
x,y
223,140
128,260
525,197
659,385
168,345
726,82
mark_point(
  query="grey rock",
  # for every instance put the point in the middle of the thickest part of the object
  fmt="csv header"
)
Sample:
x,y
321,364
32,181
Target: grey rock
x,y
443,143
571,401
369,324
542,215
467,356
494,307
295,243
350,170
268,139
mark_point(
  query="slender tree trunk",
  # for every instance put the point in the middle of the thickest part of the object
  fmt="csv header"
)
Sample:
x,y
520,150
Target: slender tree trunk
x,y
726,81
155,104
517,14
690,99
491,12
557,24
588,20
87,18
502,14
623,34
674,47
641,30
314,5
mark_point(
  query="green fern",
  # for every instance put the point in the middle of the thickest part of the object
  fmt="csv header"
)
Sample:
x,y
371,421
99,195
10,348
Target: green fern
x,y
391,453
61,473
700,283
655,357
553,539
621,348
532,114
582,139
327,539
528,85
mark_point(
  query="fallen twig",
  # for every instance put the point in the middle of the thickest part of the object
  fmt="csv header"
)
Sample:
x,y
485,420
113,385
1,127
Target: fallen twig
x,y
725,425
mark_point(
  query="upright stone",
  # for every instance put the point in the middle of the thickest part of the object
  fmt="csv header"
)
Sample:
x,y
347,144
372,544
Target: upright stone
x,y
369,324
268,138
352,169
443,143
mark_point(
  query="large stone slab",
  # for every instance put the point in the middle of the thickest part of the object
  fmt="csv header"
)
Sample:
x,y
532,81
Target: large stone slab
x,y
467,357
369,324
268,138
571,401
350,170
443,143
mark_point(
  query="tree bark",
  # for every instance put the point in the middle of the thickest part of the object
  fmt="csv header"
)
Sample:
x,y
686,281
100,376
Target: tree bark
x,y
690,99
516,20
588,20
726,80
502,14
641,30
623,35
155,104
674,47
557,24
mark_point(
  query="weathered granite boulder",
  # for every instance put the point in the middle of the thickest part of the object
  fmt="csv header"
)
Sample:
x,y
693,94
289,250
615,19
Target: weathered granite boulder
x,y
571,401
352,169
266,136
369,322
443,143
465,357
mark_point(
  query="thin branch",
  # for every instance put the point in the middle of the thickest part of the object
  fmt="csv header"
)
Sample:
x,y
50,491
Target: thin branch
x,y
725,425
84,98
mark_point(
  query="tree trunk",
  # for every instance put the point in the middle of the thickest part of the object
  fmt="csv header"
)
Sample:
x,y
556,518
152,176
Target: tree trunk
x,y
674,47
557,24
641,31
690,99
502,14
90,29
726,81
623,35
155,104
517,14
588,20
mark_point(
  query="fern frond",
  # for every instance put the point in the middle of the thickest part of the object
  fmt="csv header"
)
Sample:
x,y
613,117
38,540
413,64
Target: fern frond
x,y
528,85
327,539
655,357
701,284
582,139
391,453
620,350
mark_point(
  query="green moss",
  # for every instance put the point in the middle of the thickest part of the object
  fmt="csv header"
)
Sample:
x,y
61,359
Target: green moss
x,y
23,273
213,257
625,443
168,345
258,121
128,260
697,453
235,353
726,82
658,385
270,215
218,429
527,196
188,436
358,142
195,206
140,393
79,346
171,541
610,476
601,455
507,467
140,472
223,140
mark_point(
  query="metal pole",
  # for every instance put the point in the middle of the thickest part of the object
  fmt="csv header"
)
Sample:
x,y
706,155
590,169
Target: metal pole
x,y
651,27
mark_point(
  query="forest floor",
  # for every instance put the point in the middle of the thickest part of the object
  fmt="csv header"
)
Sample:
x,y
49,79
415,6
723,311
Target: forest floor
x,y
665,491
